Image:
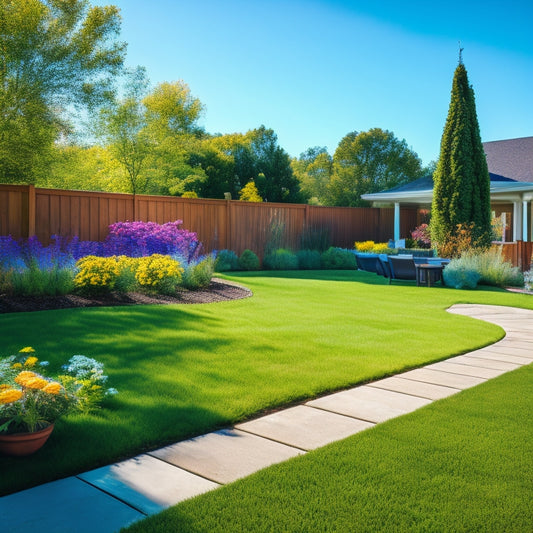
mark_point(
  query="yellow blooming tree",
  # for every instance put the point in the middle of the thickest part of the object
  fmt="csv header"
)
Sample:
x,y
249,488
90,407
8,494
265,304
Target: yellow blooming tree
x,y
249,193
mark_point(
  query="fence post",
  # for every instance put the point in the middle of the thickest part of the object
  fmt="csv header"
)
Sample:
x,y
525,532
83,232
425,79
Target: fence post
x,y
31,210
228,243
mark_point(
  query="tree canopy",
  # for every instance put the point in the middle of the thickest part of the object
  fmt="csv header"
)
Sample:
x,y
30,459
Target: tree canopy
x,y
461,192
369,162
54,55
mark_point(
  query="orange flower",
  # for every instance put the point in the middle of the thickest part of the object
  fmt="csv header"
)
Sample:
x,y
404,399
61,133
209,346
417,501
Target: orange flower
x,y
10,396
24,376
35,383
52,388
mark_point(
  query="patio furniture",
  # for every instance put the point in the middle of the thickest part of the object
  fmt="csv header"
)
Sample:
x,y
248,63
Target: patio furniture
x,y
402,268
366,262
382,267
428,274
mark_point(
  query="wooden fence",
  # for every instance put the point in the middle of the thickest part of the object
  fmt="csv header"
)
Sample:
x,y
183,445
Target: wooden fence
x,y
26,211
234,225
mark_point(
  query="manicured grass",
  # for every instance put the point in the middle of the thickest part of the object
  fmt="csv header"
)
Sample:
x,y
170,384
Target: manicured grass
x,y
186,370
461,464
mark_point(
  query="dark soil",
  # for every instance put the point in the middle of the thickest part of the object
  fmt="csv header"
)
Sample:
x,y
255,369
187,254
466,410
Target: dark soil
x,y
218,291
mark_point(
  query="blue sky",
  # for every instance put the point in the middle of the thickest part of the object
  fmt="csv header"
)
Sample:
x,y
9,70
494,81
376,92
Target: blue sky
x,y
315,70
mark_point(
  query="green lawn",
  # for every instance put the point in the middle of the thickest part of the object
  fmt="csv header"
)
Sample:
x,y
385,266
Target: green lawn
x,y
462,464
185,370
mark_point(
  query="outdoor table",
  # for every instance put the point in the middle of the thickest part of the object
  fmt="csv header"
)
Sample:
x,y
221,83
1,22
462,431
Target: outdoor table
x,y
429,274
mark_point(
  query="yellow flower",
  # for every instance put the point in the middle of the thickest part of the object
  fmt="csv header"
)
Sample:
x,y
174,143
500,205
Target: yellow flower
x,y
10,396
27,349
36,383
52,388
17,365
30,361
24,376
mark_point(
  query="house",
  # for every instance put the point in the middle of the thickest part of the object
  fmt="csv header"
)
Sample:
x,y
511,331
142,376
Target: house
x,y
510,165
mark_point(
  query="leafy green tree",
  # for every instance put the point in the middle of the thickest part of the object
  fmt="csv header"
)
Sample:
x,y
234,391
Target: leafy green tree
x,y
369,162
171,110
313,170
83,168
249,193
54,56
461,192
122,126
273,174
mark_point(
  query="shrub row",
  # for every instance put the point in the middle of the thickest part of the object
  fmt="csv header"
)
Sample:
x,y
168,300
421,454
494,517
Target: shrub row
x,y
283,259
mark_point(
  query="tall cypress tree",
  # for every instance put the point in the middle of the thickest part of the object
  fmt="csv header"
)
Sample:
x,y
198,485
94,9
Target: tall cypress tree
x,y
461,183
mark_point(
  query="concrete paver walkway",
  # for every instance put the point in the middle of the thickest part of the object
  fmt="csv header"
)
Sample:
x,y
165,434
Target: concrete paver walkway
x,y
115,496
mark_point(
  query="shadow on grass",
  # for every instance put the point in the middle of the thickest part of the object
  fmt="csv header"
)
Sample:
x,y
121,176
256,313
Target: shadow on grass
x,y
141,349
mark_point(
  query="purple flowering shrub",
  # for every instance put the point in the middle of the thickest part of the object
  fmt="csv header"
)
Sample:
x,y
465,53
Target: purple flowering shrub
x,y
140,239
28,267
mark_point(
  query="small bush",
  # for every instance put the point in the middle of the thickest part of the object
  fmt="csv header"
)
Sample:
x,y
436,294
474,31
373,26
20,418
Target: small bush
x,y
281,259
226,260
34,281
159,273
459,276
126,281
198,275
248,260
96,274
492,268
308,259
338,259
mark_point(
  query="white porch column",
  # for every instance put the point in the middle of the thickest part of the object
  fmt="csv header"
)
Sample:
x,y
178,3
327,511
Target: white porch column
x,y
517,220
524,221
396,221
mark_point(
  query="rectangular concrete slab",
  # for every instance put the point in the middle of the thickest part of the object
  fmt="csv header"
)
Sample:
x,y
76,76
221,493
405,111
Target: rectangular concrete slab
x,y
498,356
65,506
466,370
414,388
148,484
483,363
438,377
305,427
524,344
511,350
370,403
226,455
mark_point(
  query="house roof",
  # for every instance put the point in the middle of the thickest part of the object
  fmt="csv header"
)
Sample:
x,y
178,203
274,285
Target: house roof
x,y
512,158
510,165
420,191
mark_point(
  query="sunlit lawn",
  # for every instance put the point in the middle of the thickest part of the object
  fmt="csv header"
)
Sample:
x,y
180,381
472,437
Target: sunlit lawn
x,y
182,370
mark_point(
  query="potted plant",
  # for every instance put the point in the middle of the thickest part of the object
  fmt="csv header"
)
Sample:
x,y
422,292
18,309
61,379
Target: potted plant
x,y
30,402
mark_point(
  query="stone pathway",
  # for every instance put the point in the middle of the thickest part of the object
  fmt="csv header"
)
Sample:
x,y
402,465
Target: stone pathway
x,y
115,496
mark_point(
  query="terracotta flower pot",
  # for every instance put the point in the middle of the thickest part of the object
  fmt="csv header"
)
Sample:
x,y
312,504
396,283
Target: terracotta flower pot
x,y
24,443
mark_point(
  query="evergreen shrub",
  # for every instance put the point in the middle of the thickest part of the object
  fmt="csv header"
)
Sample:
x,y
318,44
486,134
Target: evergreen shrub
x,y
281,259
309,259
249,260
459,276
226,260
338,259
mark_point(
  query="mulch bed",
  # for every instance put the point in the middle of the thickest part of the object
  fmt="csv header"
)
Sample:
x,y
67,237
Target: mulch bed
x,y
218,291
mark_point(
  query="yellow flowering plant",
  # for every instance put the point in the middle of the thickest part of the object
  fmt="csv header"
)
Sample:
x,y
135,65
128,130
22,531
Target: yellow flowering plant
x,y
159,273
30,401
